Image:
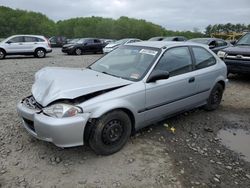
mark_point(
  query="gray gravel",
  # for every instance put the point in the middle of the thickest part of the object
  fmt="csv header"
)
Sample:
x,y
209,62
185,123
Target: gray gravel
x,y
192,156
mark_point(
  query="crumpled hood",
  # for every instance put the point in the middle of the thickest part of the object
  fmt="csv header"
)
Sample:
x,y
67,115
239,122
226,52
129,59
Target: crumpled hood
x,y
238,50
52,83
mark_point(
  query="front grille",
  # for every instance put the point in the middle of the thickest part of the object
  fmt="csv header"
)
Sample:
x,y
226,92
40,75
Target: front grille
x,y
30,124
31,103
238,57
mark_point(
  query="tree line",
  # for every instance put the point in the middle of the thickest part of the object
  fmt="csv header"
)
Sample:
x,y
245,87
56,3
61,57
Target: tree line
x,y
226,28
15,21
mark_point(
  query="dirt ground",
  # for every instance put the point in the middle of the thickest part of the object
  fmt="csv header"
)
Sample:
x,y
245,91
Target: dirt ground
x,y
192,156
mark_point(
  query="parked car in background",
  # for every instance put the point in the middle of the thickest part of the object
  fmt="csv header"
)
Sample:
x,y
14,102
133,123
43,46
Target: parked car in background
x,y
35,45
83,45
175,38
58,41
124,91
214,44
107,41
72,41
111,46
237,57
156,39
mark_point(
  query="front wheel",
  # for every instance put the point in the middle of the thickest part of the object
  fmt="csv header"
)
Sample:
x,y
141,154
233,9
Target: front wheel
x,y
78,51
215,97
111,133
40,53
2,54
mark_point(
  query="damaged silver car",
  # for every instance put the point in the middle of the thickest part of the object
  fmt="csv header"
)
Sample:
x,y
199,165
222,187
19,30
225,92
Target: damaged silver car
x,y
128,89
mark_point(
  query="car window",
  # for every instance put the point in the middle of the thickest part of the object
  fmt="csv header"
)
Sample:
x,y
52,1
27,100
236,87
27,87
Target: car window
x,y
220,43
203,58
176,61
39,40
97,41
30,39
16,39
90,41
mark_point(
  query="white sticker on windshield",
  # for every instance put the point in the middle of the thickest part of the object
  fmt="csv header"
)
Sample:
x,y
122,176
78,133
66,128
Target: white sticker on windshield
x,y
149,52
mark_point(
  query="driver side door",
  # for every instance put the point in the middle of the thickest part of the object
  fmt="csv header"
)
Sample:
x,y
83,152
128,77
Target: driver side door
x,y
165,97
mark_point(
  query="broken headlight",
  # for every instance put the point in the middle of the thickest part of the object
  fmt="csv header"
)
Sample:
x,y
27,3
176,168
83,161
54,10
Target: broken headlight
x,y
62,110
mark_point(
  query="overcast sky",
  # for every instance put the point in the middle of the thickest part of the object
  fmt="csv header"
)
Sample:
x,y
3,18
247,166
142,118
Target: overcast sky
x,y
171,14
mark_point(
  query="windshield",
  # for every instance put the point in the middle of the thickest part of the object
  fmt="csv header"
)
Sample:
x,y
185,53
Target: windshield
x,y
168,39
127,62
122,41
202,41
245,40
80,41
73,41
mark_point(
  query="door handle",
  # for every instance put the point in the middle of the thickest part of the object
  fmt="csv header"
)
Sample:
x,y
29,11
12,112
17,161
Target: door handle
x,y
191,80
20,43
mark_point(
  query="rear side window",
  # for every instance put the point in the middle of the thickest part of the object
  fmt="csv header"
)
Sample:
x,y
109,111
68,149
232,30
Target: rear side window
x,y
97,41
203,58
176,61
33,39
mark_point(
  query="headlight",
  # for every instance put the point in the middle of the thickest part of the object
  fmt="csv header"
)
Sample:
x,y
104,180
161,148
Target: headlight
x,y
221,54
62,110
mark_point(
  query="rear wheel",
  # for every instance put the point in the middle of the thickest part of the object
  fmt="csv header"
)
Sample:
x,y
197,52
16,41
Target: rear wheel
x,y
2,54
215,97
111,133
40,53
78,51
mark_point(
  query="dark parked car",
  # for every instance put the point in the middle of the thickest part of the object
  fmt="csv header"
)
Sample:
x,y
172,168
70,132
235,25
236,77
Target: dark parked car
x,y
214,44
175,38
83,45
57,41
237,57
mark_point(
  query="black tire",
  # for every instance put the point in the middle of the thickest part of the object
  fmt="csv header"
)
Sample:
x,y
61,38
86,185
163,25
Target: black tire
x,y
215,97
40,53
78,51
111,133
2,54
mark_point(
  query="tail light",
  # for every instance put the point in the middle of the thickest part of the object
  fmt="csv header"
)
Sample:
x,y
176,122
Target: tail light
x,y
48,42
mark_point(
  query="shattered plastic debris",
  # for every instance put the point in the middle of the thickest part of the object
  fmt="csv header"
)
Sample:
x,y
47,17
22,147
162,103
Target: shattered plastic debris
x,y
172,129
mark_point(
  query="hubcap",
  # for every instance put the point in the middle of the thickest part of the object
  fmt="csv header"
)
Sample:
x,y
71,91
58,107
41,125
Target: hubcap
x,y
1,54
78,51
216,97
112,132
40,53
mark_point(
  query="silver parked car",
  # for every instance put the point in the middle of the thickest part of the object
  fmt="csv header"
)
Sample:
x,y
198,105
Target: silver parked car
x,y
113,45
25,45
130,88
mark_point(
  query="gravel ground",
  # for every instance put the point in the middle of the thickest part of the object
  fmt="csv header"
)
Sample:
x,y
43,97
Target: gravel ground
x,y
192,156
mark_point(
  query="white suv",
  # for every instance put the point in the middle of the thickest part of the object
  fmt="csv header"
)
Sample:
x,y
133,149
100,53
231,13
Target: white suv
x,y
25,45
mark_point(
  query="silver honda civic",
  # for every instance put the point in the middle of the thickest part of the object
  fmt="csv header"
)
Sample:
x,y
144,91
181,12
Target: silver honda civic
x,y
128,89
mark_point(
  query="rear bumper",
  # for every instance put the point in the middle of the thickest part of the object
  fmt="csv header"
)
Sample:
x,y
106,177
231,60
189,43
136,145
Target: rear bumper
x,y
237,66
49,50
63,132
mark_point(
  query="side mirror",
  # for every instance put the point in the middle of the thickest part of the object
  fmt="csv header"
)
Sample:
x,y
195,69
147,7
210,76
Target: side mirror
x,y
85,44
8,42
157,75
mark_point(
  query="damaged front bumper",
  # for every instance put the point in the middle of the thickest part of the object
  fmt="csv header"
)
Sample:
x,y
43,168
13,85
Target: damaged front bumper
x,y
63,132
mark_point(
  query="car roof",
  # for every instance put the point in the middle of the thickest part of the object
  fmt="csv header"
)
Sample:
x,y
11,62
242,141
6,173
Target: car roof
x,y
26,36
164,44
